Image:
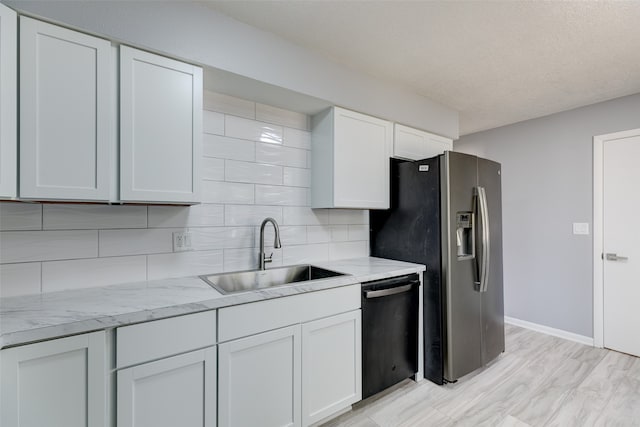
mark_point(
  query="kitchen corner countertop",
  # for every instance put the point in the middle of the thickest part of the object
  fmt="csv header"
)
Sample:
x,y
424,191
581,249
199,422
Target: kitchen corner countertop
x,y
40,317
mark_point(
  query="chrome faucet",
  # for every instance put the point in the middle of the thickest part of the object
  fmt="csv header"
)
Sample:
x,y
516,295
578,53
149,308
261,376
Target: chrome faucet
x,y
276,243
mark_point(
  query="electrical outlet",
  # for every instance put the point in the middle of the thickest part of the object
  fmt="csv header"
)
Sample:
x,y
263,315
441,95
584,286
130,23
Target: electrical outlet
x,y
182,241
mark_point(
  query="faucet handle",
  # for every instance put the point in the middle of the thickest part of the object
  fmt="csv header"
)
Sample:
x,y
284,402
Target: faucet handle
x,y
268,258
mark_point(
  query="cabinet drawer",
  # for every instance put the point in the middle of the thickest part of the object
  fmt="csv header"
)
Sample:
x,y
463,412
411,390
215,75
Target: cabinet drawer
x,y
248,319
162,338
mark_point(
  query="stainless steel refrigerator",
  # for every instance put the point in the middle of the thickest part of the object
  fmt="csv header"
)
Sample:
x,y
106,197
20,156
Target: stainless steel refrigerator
x,y
446,213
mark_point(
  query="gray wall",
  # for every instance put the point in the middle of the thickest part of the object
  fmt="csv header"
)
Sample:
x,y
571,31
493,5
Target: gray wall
x,y
547,175
198,34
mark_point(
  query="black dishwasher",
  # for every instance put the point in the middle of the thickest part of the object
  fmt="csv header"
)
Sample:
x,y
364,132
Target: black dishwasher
x,y
389,332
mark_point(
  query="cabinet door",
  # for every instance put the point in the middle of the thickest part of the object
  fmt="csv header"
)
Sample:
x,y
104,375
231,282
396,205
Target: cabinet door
x,y
59,383
414,144
259,380
177,391
332,366
160,128
66,118
8,102
361,157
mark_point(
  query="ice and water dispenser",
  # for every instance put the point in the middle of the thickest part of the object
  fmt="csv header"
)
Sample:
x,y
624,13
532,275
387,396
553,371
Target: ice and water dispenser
x,y
465,236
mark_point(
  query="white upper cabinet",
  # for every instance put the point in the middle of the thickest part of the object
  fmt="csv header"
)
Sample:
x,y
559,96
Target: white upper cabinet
x,y
414,144
350,160
66,119
8,102
160,128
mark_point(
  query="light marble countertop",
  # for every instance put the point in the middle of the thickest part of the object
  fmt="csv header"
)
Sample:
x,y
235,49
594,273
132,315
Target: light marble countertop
x,y
51,315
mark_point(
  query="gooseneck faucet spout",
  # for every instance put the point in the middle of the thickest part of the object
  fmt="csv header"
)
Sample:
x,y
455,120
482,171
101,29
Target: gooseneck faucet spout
x,y
263,259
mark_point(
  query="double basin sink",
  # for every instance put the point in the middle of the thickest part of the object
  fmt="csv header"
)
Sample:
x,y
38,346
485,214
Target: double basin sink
x,y
244,281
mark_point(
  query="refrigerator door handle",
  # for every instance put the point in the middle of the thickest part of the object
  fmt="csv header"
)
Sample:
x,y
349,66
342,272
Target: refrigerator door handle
x,y
477,274
486,249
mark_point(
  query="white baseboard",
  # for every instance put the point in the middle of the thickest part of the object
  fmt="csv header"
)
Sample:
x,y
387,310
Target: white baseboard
x,y
549,331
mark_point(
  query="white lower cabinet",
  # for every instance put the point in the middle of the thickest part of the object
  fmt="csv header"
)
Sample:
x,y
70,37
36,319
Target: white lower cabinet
x,y
58,383
176,391
259,380
166,372
332,365
306,368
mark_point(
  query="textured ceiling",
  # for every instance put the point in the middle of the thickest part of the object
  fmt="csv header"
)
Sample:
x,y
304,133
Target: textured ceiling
x,y
495,62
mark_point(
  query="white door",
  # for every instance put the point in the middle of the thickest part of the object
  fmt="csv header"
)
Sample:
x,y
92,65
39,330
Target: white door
x,y
160,128
621,264
177,391
331,365
8,102
259,380
66,119
58,383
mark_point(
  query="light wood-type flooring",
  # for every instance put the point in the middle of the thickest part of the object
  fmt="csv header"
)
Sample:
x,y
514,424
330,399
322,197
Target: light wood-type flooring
x,y
539,380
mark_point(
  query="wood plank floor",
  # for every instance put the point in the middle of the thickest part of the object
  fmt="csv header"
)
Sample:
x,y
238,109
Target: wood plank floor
x,y
540,380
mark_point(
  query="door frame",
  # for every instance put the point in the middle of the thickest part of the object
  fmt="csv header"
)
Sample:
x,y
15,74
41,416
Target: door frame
x,y
598,232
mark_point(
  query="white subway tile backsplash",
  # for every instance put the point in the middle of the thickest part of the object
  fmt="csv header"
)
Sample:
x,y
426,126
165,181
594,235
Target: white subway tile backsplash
x,y
20,216
327,233
182,264
255,164
212,169
252,215
252,172
212,123
221,103
318,234
339,233
227,192
280,195
222,147
296,177
87,217
304,254
278,155
348,216
247,259
135,242
222,237
203,215
87,273
305,216
24,246
297,138
289,235
271,114
237,127
358,232
19,279
345,250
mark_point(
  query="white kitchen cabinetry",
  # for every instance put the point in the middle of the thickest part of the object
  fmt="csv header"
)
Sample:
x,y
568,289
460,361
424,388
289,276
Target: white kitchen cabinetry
x,y
58,383
173,378
259,380
160,128
350,160
8,103
331,378
66,119
176,391
292,360
414,144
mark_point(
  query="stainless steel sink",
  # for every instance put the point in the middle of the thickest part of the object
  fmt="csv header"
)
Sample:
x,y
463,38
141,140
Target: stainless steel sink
x,y
243,281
